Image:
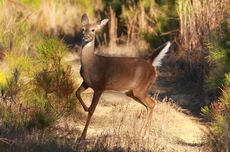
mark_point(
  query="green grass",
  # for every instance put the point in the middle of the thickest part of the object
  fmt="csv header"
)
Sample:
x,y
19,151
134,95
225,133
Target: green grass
x,y
32,3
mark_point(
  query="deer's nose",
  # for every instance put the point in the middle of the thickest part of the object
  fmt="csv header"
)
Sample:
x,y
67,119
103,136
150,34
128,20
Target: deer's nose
x,y
86,38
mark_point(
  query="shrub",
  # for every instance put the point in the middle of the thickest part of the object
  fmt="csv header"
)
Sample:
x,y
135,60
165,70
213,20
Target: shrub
x,y
207,113
43,99
218,80
218,58
3,79
41,120
12,87
52,85
41,84
50,49
219,133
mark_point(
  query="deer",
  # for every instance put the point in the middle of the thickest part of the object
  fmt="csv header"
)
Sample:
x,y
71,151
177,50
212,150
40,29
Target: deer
x,y
131,75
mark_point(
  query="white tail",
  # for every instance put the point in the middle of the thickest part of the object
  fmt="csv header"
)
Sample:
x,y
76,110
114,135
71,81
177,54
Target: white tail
x,y
161,55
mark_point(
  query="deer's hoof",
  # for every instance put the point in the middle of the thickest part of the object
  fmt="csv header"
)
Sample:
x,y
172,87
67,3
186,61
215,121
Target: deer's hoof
x,y
81,138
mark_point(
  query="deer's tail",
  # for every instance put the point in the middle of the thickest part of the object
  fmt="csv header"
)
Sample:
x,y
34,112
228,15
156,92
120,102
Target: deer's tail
x,y
157,56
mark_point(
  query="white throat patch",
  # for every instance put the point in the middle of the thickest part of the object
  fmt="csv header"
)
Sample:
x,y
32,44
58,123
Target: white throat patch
x,y
89,44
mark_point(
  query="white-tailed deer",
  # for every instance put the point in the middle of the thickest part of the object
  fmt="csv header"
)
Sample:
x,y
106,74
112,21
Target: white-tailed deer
x,y
133,75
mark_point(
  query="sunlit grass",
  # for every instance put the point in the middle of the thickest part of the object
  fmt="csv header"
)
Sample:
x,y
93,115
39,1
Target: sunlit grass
x,y
3,78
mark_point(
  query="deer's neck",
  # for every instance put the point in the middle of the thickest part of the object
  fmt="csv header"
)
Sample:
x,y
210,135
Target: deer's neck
x,y
88,57
87,53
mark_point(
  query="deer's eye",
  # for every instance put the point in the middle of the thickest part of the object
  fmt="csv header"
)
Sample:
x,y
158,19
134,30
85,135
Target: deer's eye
x,y
93,30
83,29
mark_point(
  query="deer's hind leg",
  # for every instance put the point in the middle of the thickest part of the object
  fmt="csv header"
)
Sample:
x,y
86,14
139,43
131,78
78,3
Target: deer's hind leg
x,y
150,113
131,95
150,104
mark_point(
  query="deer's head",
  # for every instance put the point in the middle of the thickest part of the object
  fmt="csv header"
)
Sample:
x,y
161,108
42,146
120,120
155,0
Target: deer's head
x,y
89,30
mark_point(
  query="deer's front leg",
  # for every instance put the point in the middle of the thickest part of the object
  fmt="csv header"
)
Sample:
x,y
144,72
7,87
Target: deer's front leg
x,y
82,88
96,97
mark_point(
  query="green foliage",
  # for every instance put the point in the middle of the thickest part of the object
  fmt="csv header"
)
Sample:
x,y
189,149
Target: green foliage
x,y
52,85
16,40
219,132
45,98
218,45
32,3
23,62
207,113
227,80
144,20
10,90
3,79
41,120
50,49
116,5
154,40
41,85
168,6
56,80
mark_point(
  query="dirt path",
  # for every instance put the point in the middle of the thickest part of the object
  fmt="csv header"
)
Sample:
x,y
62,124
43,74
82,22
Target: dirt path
x,y
118,120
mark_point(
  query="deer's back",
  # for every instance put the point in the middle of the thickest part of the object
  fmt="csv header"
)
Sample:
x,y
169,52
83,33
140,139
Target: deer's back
x,y
114,73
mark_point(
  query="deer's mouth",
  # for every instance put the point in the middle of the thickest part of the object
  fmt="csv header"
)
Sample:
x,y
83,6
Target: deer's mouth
x,y
84,43
86,40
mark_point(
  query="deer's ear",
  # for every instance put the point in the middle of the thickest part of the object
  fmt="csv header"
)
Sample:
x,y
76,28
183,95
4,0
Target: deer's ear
x,y
84,19
102,23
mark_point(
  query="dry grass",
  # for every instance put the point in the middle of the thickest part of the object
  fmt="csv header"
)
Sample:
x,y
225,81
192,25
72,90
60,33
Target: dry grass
x,y
58,18
171,130
116,126
138,20
197,19
52,17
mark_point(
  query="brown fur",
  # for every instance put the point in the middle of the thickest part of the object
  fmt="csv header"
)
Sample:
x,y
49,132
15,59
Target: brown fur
x,y
101,73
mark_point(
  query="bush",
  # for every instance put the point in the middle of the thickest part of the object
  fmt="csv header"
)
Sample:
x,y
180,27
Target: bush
x,y
218,44
12,87
50,49
52,85
218,83
41,120
41,85
219,133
